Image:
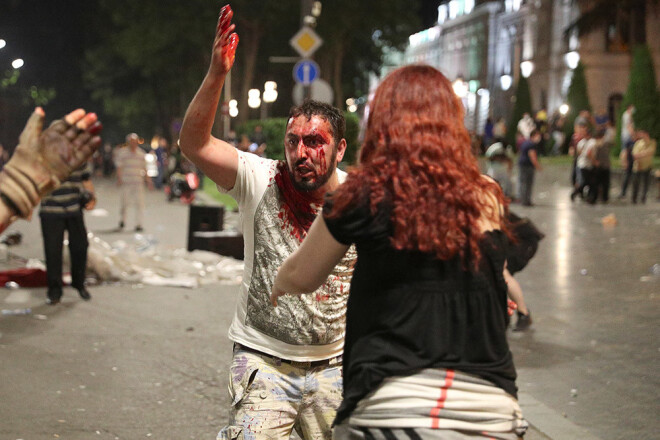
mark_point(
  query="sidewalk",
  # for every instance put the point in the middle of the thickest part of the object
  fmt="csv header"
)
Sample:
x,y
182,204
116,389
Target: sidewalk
x,y
151,362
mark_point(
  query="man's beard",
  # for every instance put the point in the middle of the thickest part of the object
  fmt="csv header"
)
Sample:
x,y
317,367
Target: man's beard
x,y
309,186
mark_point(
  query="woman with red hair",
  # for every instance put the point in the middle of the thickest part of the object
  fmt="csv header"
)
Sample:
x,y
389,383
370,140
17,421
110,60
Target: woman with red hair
x,y
425,353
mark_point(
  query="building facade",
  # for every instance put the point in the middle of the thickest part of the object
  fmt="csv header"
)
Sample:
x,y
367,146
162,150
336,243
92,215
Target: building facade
x,y
484,46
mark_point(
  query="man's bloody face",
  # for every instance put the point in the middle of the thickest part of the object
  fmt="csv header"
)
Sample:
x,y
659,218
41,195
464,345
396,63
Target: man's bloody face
x,y
311,152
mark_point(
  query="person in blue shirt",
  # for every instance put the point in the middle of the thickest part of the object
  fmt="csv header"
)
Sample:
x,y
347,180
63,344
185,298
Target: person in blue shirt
x,y
528,164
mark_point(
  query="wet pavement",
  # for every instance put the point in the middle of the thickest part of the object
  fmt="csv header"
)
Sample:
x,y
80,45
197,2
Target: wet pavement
x,y
151,362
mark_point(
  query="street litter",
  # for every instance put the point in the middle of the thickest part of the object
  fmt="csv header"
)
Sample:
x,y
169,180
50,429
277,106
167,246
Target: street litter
x,y
143,261
609,220
15,312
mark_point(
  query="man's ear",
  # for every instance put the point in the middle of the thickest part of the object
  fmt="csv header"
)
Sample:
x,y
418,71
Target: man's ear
x,y
341,149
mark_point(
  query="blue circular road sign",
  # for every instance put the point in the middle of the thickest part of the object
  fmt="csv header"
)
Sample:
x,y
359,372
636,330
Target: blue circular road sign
x,y
305,72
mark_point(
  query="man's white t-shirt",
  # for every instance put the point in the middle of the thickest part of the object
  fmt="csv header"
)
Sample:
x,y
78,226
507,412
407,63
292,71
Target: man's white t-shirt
x,y
307,327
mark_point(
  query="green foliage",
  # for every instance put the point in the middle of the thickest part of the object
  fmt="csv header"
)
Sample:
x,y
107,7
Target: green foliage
x,y
577,99
522,105
351,135
355,34
643,93
273,130
148,60
224,199
36,96
10,78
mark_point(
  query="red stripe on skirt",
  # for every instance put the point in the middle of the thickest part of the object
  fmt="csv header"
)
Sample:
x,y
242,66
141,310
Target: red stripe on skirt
x,y
435,412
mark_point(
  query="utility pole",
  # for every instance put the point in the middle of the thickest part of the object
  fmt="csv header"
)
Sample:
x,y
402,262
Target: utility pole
x,y
305,12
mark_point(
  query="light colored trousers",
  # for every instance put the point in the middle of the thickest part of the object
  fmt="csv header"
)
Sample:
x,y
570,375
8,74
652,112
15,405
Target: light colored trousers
x,y
272,397
132,194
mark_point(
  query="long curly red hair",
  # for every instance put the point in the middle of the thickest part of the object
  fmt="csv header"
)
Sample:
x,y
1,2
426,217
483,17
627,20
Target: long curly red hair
x,y
417,149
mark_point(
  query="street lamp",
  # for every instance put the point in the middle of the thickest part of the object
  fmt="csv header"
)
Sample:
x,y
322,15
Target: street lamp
x,y
505,82
270,95
270,91
351,105
3,43
233,108
254,101
460,87
17,63
526,68
572,59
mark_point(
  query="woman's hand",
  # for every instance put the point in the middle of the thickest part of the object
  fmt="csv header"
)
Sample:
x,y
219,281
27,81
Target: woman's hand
x,y
276,293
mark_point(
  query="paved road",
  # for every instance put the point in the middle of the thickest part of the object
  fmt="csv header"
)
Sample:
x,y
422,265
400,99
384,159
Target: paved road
x,y
151,362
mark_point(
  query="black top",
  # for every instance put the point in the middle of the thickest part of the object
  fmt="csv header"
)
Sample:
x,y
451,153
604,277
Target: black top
x,y
408,310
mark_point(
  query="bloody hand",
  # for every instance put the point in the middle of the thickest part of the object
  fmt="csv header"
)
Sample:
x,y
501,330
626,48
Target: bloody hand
x,y
225,43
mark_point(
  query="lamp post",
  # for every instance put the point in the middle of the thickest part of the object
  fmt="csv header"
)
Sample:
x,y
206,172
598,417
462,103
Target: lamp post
x,y
460,87
269,96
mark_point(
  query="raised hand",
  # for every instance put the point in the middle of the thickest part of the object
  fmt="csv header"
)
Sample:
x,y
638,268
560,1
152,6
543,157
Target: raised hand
x,y
45,158
225,43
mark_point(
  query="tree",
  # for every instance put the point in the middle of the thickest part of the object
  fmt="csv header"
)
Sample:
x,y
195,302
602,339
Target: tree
x,y
577,98
148,60
355,34
149,57
643,93
522,105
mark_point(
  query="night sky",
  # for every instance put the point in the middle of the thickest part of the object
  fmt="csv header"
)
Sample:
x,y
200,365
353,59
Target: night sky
x,y
51,35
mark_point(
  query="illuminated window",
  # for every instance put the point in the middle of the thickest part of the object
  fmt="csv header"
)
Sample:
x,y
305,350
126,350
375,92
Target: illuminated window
x,y
442,13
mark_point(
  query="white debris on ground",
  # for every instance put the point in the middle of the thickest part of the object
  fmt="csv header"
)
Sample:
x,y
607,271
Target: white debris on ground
x,y
143,261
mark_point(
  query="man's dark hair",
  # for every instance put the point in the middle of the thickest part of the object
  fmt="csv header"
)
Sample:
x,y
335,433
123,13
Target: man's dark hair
x,y
534,133
331,114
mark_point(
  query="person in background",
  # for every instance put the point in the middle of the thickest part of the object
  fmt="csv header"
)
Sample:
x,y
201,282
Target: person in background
x,y
580,131
426,352
161,159
526,125
627,142
642,155
528,164
601,177
488,133
43,159
62,211
557,133
499,130
258,141
500,166
131,178
586,161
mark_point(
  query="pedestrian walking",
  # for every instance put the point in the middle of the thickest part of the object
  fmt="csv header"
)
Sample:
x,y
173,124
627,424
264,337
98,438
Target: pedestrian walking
x,y
131,178
286,367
